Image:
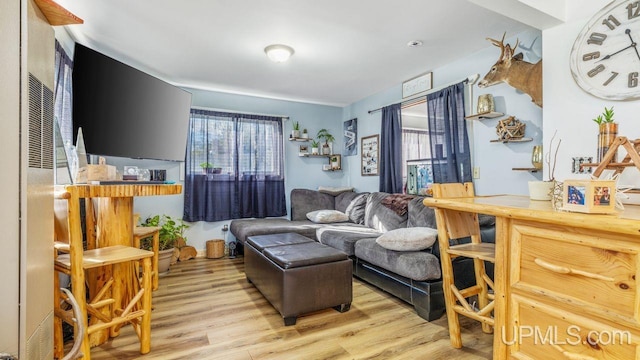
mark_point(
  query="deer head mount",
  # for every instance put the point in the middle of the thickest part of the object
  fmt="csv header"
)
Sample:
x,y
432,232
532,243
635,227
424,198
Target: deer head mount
x,y
511,69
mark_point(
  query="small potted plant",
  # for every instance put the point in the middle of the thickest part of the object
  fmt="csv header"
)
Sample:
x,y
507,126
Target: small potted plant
x,y
209,168
295,133
328,138
305,134
314,147
171,234
607,132
335,163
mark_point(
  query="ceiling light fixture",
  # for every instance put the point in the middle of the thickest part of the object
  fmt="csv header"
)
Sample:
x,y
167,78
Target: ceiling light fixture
x,y
414,43
278,52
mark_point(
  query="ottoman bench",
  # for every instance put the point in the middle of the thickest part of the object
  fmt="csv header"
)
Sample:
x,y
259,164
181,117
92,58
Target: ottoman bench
x,y
298,275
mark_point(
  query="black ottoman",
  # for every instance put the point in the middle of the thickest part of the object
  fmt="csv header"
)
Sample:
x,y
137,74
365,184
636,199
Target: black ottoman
x,y
298,275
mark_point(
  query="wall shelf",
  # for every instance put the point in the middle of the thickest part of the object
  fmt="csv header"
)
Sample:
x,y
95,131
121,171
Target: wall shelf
x,y
526,169
512,140
483,116
57,15
299,139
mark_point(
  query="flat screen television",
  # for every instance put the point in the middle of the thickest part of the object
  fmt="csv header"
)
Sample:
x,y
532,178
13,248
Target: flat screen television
x,y
125,112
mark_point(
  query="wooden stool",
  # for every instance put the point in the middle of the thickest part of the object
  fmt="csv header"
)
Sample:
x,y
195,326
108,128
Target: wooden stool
x,y
72,259
143,232
456,225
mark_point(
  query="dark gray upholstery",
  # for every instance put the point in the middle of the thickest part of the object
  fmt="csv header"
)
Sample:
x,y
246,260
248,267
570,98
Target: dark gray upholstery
x,y
355,209
244,228
344,236
380,217
420,215
416,265
304,201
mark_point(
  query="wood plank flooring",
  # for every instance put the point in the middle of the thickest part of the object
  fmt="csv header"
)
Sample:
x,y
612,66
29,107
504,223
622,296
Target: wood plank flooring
x,y
205,309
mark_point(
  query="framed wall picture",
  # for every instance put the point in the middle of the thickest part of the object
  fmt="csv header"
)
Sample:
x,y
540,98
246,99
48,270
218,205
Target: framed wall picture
x,y
417,85
370,155
350,132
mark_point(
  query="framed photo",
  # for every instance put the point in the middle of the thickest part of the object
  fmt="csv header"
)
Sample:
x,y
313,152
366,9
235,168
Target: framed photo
x,y
589,196
303,150
370,155
350,132
417,85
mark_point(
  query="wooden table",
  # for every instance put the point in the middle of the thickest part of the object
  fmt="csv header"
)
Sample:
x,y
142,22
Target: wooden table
x,y
113,207
569,273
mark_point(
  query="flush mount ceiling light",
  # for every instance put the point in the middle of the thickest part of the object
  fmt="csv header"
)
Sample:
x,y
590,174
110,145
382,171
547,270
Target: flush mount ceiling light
x,y
414,43
278,53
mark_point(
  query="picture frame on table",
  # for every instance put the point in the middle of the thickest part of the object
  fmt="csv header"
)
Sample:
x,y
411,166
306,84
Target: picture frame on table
x,y
370,155
589,196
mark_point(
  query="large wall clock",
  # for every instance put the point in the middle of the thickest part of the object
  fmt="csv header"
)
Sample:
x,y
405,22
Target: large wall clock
x,y
605,58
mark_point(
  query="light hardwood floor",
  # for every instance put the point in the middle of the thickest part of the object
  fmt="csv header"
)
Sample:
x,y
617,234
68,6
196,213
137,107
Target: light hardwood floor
x,y
205,309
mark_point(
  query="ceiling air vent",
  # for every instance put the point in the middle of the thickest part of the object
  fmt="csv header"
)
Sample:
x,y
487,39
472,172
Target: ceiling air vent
x,y
40,125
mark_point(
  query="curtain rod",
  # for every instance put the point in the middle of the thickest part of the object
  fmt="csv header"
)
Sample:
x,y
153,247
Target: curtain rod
x,y
471,79
238,112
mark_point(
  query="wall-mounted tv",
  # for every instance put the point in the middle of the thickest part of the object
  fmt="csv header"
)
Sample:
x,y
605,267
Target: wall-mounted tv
x,y
125,112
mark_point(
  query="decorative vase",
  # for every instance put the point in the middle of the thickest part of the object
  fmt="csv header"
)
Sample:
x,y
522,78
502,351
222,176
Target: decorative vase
x,y
295,134
326,150
540,190
536,157
607,133
164,261
314,151
485,104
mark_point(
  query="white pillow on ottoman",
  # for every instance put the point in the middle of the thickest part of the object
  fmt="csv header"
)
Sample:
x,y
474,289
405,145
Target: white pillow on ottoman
x,y
408,239
327,216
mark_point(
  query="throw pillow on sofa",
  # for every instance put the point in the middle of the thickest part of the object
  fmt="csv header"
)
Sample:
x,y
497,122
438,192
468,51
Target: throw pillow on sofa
x,y
327,216
408,239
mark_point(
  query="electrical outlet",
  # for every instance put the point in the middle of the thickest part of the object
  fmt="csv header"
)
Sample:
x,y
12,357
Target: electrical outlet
x,y
577,161
476,172
225,227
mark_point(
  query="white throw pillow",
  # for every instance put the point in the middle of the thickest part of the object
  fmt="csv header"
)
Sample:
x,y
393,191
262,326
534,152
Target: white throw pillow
x,y
327,216
408,239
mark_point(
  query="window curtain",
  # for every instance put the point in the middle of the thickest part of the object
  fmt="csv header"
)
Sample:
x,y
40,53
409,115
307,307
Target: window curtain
x,y
234,167
450,154
62,93
391,150
415,146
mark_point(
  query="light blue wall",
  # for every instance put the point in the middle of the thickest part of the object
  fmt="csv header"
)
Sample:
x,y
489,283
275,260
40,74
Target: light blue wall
x,y
495,160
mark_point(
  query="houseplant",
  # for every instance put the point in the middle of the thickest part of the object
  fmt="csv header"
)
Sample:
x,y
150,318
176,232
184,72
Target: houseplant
x,y
171,232
325,135
209,168
305,134
607,132
314,147
295,133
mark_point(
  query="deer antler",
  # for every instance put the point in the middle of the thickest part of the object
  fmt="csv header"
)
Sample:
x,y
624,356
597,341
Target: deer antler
x,y
499,44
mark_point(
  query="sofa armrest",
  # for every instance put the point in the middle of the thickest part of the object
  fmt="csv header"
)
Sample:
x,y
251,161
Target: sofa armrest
x,y
306,200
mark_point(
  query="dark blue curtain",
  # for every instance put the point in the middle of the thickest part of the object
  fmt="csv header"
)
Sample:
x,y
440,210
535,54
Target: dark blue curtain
x,y
450,154
234,167
391,150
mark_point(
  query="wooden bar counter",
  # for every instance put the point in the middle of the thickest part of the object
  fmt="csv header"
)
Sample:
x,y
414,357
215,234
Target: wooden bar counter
x,y
112,206
566,284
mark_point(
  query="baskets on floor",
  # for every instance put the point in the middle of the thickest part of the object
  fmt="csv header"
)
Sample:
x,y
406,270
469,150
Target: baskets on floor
x,y
215,249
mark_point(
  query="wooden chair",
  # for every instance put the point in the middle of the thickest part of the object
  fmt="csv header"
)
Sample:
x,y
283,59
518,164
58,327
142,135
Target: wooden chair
x,y
455,225
72,259
143,232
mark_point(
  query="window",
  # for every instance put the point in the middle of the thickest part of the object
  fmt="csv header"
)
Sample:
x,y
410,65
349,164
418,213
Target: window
x,y
234,166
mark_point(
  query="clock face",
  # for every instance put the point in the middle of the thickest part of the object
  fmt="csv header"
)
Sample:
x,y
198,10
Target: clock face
x,y
605,59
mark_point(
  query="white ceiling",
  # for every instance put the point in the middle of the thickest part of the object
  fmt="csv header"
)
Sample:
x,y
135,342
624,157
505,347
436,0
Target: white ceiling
x,y
345,50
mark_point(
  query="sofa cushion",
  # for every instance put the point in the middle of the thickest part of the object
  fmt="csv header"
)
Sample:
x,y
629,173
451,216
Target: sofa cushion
x,y
335,191
420,215
344,236
408,239
355,208
243,228
327,216
416,265
380,217
304,201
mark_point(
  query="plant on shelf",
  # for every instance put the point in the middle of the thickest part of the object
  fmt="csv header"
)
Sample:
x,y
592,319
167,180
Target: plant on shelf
x,y
325,135
209,168
305,134
170,234
314,147
295,133
607,132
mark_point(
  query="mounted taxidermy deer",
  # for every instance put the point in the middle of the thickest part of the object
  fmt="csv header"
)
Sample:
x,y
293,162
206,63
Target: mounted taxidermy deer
x,y
522,75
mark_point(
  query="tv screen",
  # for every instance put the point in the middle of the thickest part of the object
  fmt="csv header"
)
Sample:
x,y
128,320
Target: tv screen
x,y
125,112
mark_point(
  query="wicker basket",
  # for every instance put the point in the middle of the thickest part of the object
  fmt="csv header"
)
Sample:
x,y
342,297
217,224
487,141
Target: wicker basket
x,y
215,249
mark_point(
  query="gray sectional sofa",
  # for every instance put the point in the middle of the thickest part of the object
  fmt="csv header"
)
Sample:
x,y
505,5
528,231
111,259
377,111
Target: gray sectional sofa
x,y
413,276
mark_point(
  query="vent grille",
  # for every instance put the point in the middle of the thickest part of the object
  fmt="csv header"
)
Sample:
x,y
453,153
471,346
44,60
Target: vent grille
x,y
40,125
